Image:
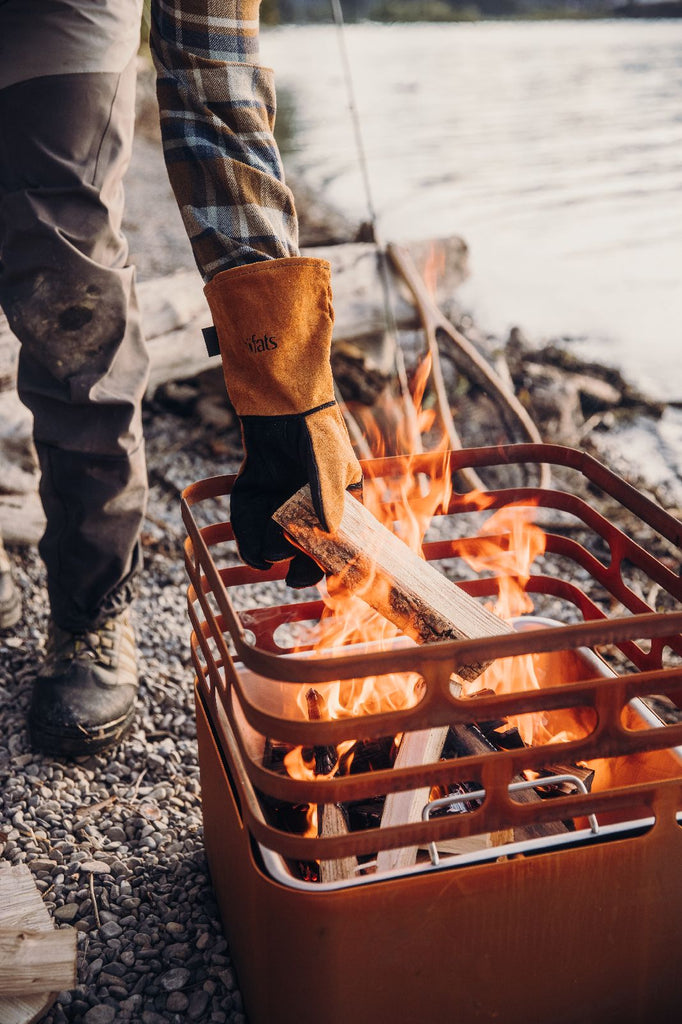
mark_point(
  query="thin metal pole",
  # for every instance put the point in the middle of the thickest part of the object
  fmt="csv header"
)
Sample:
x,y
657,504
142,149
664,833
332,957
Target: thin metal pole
x,y
384,272
337,11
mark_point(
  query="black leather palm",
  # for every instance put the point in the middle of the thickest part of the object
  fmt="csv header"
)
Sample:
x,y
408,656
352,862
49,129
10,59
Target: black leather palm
x,y
279,460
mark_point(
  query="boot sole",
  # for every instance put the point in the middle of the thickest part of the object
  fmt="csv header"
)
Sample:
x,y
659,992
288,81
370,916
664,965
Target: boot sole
x,y
79,742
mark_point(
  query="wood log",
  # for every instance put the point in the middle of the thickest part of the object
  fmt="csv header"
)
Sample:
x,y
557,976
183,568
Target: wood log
x,y
371,562
333,823
173,309
416,748
22,909
36,961
173,312
467,740
331,820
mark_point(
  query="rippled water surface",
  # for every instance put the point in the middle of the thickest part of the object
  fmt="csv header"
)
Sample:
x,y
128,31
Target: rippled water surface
x,y
555,149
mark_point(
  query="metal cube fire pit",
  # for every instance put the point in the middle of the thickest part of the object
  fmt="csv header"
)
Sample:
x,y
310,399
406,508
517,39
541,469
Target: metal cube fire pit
x,y
580,926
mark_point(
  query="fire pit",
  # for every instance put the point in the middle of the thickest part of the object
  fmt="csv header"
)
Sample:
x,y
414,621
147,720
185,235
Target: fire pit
x,y
527,895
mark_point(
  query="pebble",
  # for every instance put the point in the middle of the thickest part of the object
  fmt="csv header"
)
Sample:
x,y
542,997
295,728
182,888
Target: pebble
x,y
177,1002
102,1014
174,979
67,913
97,867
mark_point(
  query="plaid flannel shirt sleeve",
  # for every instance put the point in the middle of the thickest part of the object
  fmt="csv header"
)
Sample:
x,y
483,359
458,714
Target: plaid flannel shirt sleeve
x,y
217,115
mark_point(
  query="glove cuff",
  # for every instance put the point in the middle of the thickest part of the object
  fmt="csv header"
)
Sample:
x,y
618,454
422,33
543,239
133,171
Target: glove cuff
x,y
274,324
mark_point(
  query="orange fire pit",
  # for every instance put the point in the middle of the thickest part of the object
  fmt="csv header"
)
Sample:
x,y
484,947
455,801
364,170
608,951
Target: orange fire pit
x,y
501,916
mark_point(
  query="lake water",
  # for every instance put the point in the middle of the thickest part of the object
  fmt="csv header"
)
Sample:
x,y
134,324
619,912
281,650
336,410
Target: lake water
x,y
554,148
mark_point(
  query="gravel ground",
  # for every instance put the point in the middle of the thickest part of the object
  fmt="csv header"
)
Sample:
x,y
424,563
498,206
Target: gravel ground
x,y
115,841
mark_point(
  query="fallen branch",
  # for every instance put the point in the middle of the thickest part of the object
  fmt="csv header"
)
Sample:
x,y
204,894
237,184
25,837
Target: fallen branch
x,y
173,309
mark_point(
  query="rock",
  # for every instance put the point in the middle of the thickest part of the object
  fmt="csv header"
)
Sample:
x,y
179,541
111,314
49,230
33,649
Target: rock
x,y
198,1002
177,1002
97,867
67,913
174,979
554,402
101,1014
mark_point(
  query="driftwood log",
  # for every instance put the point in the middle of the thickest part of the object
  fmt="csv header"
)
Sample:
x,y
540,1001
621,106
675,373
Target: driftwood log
x,y
173,311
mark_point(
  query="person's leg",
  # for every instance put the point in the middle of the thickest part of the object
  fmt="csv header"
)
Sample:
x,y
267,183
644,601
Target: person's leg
x,y
69,297
65,142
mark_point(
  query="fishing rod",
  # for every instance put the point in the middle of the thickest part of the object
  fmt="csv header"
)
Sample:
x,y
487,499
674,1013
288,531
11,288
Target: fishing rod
x,y
373,220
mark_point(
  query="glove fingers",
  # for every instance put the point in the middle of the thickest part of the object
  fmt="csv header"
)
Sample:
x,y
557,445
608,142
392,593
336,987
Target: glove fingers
x,y
332,465
260,540
303,572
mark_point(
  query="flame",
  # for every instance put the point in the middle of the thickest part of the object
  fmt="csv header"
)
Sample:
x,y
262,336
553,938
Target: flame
x,y
506,548
406,506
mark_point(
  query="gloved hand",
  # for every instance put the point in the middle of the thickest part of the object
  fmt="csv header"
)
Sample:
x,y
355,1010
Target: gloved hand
x,y
274,323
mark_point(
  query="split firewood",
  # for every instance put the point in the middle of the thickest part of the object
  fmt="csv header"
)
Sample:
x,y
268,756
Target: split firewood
x,y
377,566
467,740
372,563
22,912
579,771
33,961
333,823
416,748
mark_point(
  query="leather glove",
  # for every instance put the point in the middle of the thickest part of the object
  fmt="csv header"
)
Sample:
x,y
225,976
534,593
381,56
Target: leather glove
x,y
274,321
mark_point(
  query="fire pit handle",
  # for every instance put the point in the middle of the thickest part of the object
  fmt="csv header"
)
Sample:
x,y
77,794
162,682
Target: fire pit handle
x,y
479,794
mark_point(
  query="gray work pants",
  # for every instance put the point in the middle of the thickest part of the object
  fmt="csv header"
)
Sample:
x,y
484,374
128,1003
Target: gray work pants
x,y
69,296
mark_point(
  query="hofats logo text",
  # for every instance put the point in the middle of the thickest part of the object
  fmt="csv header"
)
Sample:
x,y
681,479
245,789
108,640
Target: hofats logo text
x,y
264,344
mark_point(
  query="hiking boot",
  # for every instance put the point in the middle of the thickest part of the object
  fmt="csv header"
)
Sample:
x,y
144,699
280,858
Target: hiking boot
x,y
84,696
10,601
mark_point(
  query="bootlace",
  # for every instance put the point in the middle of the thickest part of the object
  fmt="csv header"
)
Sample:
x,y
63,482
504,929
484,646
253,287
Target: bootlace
x,y
96,645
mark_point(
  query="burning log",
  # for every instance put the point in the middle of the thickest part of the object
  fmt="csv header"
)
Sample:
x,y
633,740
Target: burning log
x,y
578,771
371,562
467,740
331,820
333,823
